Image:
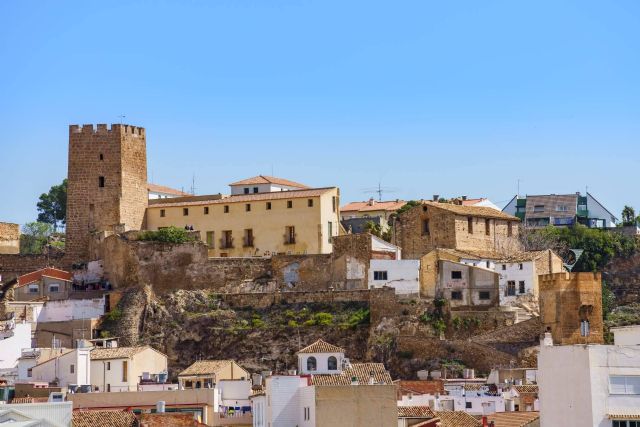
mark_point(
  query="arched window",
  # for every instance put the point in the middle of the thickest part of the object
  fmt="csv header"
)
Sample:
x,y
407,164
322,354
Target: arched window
x,y
311,364
332,363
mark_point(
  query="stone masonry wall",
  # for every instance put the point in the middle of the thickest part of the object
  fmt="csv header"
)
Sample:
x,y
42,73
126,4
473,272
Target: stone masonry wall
x,y
9,238
410,235
12,266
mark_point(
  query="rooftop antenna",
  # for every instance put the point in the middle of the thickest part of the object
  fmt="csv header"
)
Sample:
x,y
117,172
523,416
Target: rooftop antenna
x,y
193,184
121,116
379,190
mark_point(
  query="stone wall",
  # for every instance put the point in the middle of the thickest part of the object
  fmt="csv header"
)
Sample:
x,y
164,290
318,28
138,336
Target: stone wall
x,y
351,256
9,238
566,299
12,266
622,276
267,299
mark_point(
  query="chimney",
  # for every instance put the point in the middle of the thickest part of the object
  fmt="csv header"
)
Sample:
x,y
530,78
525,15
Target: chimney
x,y
484,421
464,198
436,197
371,201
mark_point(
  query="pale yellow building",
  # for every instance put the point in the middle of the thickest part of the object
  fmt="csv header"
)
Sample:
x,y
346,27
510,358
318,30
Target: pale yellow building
x,y
263,216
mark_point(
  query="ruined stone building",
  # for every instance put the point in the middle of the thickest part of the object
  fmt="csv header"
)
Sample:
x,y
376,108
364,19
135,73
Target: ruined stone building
x,y
433,225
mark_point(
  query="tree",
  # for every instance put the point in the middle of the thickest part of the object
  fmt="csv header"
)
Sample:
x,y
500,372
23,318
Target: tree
x,y
34,237
52,206
628,216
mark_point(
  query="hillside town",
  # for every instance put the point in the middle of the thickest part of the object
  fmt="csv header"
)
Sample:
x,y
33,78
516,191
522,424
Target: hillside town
x,y
280,305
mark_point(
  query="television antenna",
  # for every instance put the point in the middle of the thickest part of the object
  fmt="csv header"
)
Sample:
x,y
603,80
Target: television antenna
x,y
379,190
121,117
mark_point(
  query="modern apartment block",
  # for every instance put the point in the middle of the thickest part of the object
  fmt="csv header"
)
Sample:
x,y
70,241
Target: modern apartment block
x,y
560,210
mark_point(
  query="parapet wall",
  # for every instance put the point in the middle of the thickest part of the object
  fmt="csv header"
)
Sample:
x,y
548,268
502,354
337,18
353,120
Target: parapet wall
x,y
14,265
103,128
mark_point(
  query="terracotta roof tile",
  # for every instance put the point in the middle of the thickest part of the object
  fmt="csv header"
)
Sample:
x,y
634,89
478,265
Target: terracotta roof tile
x,y
29,400
390,206
264,179
34,276
422,386
361,371
513,419
155,188
526,388
481,211
168,419
457,419
203,367
104,418
321,346
415,412
240,198
116,352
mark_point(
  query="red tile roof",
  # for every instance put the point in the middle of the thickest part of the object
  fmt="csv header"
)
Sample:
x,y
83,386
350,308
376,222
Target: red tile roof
x,y
513,419
264,179
362,372
372,205
457,419
240,198
34,276
321,346
155,188
479,211
415,412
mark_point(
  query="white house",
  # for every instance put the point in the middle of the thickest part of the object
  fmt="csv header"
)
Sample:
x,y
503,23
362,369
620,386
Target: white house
x,y
14,336
320,358
66,369
591,385
401,274
264,184
120,368
234,394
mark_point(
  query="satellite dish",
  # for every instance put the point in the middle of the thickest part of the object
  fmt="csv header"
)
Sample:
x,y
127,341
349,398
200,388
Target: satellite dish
x,y
573,258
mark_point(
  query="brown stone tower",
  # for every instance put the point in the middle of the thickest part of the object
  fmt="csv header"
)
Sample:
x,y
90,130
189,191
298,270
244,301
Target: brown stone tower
x,y
566,301
107,183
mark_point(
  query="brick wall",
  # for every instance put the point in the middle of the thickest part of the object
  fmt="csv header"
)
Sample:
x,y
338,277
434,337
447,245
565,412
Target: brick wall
x,y
119,156
568,298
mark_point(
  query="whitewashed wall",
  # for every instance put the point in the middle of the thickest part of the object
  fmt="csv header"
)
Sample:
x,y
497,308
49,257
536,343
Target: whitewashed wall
x,y
11,347
59,311
402,275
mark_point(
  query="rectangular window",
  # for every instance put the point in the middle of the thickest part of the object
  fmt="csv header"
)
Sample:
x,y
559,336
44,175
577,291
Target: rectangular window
x,y
108,388
488,264
425,226
108,366
226,209
470,225
268,206
538,208
456,274
72,368
125,369
101,156
248,237
310,203
290,235
289,204
330,231
185,211
247,207
487,227
561,208
521,286
227,240
509,229
29,372
246,190
511,288
484,295
255,189
101,181
163,213
504,267
456,295
334,203
210,239
53,288
379,275
33,289
468,405
520,266
624,384
206,210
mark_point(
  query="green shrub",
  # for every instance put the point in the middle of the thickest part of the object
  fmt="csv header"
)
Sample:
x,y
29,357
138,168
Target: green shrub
x,y
115,314
439,326
425,318
323,319
257,323
310,322
360,317
292,324
167,235
457,323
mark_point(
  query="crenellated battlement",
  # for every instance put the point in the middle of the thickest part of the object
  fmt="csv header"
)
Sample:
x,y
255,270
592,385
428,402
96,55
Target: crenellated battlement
x,y
102,128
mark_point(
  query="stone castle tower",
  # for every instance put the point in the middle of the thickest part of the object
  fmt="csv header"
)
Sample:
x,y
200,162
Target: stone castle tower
x,y
107,183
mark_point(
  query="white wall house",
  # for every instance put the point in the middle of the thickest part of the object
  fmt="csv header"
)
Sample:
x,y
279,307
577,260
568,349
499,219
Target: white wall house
x,y
264,184
14,337
320,358
590,385
71,309
120,368
402,274
281,403
70,368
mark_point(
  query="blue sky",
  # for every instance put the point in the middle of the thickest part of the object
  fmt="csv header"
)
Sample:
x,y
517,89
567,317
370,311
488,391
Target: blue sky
x,y
449,98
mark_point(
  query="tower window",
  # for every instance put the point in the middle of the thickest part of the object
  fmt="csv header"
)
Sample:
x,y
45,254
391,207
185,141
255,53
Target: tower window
x,y
101,156
101,181
255,189
310,203
268,206
185,211
226,209
162,213
206,210
247,207
289,204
